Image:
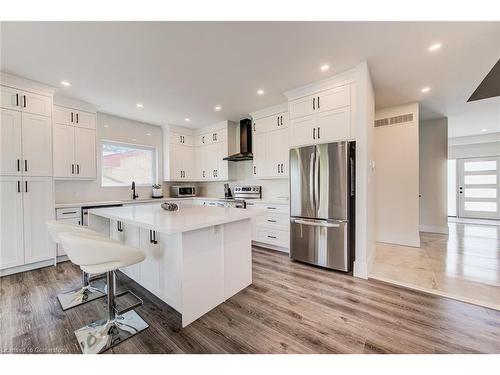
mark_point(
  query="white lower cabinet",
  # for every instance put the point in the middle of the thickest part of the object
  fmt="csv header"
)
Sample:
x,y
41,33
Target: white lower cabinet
x,y
68,215
27,204
11,223
272,227
149,242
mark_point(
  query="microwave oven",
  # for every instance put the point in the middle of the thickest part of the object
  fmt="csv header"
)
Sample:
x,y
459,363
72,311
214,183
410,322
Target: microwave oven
x,y
182,191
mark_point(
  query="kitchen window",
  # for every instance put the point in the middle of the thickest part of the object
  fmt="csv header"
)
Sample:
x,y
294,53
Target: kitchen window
x,y
122,163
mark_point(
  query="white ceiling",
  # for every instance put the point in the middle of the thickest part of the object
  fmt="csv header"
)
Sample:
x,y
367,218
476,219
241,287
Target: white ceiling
x,y
184,69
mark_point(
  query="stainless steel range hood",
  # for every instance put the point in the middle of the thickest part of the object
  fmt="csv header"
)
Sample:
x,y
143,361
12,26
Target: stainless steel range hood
x,y
245,142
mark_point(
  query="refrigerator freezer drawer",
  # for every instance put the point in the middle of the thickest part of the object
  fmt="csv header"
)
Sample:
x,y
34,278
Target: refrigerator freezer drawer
x,y
320,242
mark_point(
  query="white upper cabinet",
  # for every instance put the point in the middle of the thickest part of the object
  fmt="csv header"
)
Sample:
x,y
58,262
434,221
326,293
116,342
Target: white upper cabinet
x,y
85,153
25,101
326,100
37,145
11,155
26,141
320,114
178,154
74,140
181,139
271,142
74,117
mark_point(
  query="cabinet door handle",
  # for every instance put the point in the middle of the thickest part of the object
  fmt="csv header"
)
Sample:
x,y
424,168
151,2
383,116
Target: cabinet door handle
x,y
272,237
26,186
78,169
281,118
254,126
71,116
278,121
17,100
271,208
271,221
254,170
278,168
26,165
314,103
203,139
77,117
318,133
154,238
18,186
314,133
318,102
72,169
150,236
18,165
25,101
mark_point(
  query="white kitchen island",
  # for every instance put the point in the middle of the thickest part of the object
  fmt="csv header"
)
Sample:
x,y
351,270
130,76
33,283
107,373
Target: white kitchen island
x,y
196,257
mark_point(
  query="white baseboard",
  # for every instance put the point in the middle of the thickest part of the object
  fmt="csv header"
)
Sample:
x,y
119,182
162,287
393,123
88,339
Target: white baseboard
x,y
32,266
433,229
272,247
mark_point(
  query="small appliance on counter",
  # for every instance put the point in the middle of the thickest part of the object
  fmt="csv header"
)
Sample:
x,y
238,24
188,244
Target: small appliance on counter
x,y
227,191
157,191
183,191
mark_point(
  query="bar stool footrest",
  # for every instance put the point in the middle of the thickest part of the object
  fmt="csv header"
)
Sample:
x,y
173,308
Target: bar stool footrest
x,y
126,301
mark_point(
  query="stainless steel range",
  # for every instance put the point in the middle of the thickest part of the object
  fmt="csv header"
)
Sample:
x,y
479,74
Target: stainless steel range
x,y
241,195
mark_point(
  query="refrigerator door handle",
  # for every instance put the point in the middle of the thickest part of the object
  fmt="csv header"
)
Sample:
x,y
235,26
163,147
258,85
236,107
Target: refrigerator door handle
x,y
312,163
316,180
316,223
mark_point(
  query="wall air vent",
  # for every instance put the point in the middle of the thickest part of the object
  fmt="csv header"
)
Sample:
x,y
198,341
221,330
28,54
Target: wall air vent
x,y
394,120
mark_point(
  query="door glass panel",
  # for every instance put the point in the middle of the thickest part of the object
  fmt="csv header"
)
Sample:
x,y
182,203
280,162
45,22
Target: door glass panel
x,y
481,193
480,179
484,165
480,206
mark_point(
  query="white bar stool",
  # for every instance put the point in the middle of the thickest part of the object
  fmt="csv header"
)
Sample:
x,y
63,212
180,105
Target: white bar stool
x,y
99,255
87,292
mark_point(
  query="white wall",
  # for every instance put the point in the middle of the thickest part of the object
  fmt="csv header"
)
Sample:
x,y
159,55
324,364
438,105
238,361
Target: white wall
x,y
397,178
363,119
433,154
115,129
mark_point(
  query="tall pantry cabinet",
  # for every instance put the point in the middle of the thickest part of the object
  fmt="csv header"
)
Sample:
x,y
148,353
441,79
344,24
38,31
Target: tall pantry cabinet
x,y
26,182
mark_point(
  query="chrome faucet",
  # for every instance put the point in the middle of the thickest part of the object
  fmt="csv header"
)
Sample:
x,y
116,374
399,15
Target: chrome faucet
x,y
134,195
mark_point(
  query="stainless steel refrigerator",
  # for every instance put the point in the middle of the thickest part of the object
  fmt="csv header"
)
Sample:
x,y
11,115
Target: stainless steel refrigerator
x,y
322,200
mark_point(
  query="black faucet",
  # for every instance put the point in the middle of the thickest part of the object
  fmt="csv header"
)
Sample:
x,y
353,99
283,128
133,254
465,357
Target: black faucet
x,y
134,195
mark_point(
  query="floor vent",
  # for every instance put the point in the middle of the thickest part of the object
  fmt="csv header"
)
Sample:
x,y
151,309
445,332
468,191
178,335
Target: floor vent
x,y
394,120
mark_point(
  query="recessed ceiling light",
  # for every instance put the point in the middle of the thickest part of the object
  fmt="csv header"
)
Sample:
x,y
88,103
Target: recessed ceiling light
x,y
65,83
106,126
133,139
325,67
187,119
483,130
139,105
260,92
148,133
217,108
426,89
435,47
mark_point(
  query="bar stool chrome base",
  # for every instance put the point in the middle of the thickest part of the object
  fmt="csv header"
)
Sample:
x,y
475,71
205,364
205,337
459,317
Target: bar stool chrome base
x,y
84,294
99,336
79,296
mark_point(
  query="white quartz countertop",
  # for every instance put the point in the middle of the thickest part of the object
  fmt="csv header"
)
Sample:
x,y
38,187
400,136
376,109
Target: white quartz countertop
x,y
166,199
153,217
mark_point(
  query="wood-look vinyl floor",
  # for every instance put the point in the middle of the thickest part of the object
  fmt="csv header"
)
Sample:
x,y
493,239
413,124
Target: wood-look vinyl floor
x,y
289,308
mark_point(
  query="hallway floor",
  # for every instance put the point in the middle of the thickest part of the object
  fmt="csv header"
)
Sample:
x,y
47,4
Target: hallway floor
x,y
464,265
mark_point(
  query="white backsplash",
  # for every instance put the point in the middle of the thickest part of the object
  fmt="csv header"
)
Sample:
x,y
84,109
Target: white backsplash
x,y
241,174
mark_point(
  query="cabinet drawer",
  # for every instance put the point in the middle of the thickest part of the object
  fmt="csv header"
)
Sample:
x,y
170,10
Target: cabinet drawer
x,y
273,208
68,213
273,221
273,237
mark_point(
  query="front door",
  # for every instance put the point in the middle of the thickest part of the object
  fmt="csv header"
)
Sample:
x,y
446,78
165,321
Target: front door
x,y
479,188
